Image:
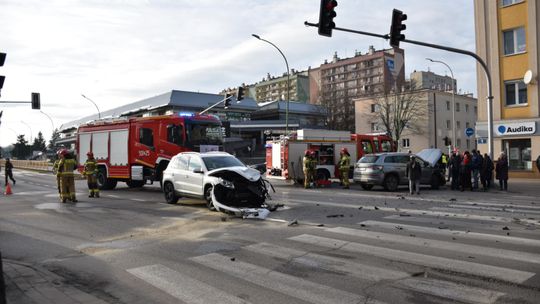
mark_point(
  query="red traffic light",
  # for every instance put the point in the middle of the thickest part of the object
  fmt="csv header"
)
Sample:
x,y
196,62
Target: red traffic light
x,y
396,27
326,16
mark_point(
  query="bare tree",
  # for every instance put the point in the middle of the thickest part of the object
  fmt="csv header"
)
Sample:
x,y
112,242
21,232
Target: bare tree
x,y
405,110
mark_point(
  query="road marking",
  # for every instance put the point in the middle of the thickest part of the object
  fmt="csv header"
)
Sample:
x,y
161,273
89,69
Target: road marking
x,y
287,284
502,205
113,196
138,200
182,286
463,234
362,271
500,273
429,243
499,209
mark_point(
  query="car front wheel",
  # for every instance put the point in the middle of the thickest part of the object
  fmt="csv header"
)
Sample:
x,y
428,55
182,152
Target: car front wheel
x,y
208,198
170,195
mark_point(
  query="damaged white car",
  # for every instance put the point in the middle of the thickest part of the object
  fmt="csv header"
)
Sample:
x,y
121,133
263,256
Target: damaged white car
x,y
222,180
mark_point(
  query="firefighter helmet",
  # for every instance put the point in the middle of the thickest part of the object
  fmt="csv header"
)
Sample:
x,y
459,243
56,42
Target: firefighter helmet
x,y
344,150
63,152
90,154
307,153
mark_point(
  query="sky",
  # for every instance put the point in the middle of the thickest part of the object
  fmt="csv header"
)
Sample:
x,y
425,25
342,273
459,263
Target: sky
x,y
116,52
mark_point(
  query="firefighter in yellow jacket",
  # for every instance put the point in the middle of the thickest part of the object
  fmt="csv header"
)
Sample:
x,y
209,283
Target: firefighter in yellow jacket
x,y
344,166
67,181
91,171
308,167
55,168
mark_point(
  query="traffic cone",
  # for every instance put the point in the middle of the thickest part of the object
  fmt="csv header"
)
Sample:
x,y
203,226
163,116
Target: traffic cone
x,y
8,190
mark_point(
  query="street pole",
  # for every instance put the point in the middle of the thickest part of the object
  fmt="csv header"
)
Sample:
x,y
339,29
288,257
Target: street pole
x,y
30,131
288,77
454,142
99,113
52,123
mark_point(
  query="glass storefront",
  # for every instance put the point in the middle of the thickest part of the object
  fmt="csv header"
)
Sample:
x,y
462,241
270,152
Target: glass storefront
x,y
519,153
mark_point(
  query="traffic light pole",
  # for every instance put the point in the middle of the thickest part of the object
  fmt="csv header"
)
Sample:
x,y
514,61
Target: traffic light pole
x,y
449,49
214,105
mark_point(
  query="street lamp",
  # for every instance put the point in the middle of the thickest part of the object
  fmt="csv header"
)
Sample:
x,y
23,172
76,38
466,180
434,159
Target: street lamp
x,y
99,113
52,123
288,76
28,128
453,102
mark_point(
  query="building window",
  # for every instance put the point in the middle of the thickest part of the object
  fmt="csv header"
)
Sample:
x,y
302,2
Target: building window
x,y
458,142
457,106
405,142
448,126
515,92
514,41
466,108
458,125
374,126
509,2
467,125
518,152
448,105
476,110
468,144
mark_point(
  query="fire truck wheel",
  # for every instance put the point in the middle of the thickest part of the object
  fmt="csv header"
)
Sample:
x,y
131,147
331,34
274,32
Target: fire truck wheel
x,y
208,198
322,174
170,195
105,183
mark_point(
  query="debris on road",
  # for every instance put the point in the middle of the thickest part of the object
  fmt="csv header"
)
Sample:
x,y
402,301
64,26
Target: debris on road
x,y
293,222
505,228
335,215
452,199
376,208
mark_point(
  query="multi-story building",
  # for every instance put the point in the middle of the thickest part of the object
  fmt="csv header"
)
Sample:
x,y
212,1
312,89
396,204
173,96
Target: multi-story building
x,y
434,124
275,88
507,38
338,82
430,80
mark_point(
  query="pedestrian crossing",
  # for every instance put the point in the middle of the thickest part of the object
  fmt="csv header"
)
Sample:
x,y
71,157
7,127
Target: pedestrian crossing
x,y
384,265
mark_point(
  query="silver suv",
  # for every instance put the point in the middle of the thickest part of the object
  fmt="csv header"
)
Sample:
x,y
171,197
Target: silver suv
x,y
389,169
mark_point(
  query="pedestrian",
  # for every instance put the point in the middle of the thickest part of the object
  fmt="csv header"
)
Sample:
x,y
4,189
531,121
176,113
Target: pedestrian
x,y
344,166
465,176
56,166
67,182
307,163
91,171
455,166
501,171
8,169
476,166
487,172
444,163
414,172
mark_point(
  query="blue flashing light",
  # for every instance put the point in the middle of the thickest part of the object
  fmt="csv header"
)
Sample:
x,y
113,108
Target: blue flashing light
x,y
185,114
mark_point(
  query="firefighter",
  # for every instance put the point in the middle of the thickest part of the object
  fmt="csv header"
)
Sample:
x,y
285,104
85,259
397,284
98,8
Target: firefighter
x,y
67,181
344,166
307,165
90,171
55,168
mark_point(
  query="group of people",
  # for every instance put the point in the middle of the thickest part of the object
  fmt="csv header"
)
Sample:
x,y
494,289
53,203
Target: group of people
x,y
63,168
468,170
310,168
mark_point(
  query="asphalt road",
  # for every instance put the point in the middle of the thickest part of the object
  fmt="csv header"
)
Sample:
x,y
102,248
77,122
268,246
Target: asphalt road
x,y
325,246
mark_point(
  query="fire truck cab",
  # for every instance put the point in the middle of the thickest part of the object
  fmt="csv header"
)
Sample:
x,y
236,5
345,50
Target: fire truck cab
x,y
373,143
137,150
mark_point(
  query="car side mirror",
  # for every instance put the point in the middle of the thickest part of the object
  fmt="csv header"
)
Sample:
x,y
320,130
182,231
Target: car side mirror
x,y
198,170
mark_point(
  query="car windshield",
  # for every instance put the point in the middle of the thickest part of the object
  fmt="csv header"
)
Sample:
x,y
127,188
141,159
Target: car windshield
x,y
216,162
368,159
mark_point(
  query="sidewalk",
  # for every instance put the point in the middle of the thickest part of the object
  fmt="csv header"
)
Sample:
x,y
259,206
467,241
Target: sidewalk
x,y
28,284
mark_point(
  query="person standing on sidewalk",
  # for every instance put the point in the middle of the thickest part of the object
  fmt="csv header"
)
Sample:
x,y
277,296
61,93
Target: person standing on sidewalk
x,y
8,168
455,165
414,172
487,172
476,166
501,171
344,166
91,171
465,168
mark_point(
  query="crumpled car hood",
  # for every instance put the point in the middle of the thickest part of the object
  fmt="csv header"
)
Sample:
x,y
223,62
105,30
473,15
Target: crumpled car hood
x,y
432,156
246,172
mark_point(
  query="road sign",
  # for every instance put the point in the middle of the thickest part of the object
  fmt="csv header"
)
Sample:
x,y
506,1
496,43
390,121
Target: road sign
x,y
469,132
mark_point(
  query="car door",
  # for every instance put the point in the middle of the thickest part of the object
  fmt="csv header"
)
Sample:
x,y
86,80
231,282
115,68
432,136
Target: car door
x,y
195,176
401,162
179,173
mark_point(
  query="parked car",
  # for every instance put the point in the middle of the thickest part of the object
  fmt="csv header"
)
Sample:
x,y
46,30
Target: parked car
x,y
389,169
223,181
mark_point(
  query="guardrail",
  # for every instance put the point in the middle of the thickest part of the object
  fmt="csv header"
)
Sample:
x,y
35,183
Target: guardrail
x,y
41,165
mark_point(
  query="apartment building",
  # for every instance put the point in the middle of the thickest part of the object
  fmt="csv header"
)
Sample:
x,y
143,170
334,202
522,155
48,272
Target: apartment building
x,y
275,88
337,83
507,36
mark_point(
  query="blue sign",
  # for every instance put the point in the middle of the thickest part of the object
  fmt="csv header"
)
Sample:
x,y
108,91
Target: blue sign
x,y
469,132
481,140
390,64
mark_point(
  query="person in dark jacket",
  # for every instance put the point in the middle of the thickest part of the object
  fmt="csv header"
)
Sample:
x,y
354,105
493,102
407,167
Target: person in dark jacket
x,y
455,164
465,175
8,168
487,172
414,172
476,167
501,171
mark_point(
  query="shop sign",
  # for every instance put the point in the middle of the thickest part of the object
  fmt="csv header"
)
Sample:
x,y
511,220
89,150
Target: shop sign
x,y
518,128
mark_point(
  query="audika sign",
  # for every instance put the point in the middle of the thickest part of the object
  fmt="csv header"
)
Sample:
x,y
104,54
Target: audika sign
x,y
518,128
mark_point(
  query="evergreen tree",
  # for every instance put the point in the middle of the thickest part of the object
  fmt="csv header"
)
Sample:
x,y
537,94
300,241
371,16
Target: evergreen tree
x,y
54,138
21,149
39,143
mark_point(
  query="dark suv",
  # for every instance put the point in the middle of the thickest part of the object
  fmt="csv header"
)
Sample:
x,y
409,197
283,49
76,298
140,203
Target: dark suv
x,y
389,169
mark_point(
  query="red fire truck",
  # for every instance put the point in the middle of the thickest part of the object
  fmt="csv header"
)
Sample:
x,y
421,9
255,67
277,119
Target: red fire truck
x,y
284,155
137,150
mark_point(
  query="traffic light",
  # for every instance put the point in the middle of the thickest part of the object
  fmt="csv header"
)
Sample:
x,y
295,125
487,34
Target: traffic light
x,y
326,16
447,141
2,60
36,104
240,93
396,27
227,102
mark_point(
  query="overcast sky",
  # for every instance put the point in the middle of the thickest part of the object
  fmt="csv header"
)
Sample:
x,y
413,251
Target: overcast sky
x,y
119,51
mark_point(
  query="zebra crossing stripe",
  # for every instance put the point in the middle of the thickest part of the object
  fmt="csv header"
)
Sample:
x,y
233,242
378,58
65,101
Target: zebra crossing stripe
x,y
451,246
500,273
183,287
362,271
289,285
500,209
501,205
457,233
